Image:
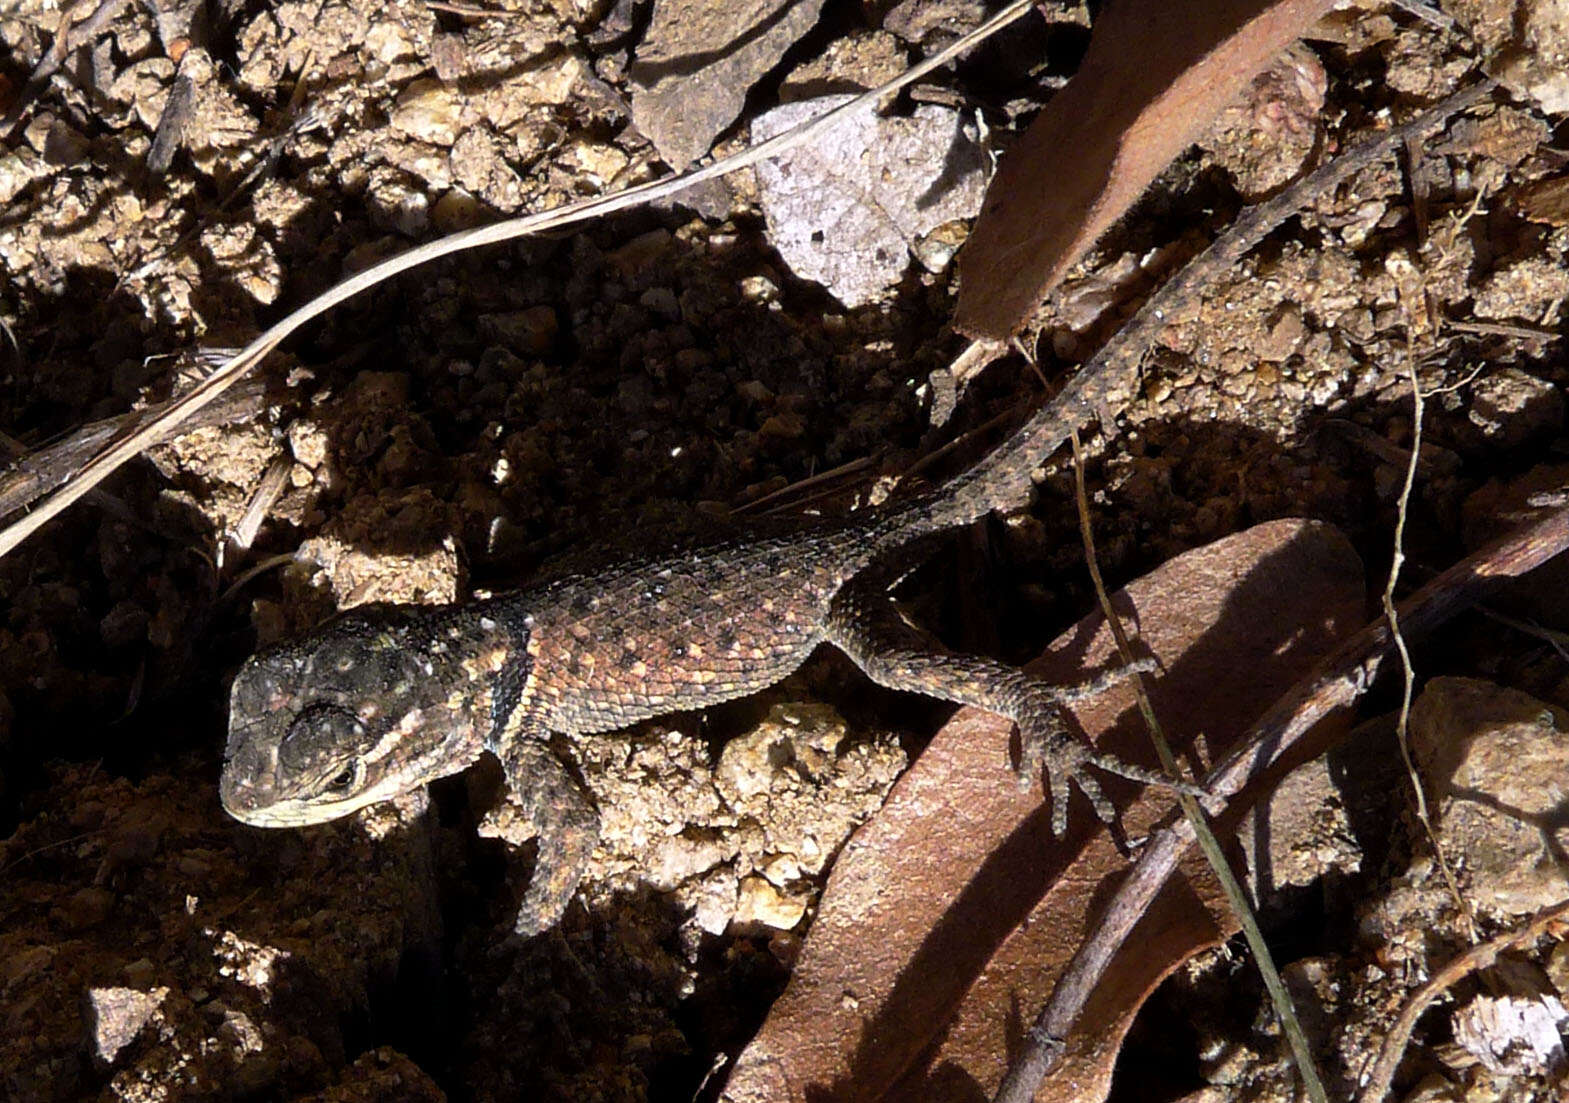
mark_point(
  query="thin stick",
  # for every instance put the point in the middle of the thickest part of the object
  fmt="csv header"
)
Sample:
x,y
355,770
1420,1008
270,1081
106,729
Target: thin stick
x,y
1397,560
1472,959
1236,899
122,451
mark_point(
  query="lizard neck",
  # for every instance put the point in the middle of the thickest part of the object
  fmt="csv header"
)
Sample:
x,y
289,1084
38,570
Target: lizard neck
x,y
505,618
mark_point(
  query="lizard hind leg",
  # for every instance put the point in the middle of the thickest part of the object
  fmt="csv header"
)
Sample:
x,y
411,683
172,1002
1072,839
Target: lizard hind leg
x,y
866,626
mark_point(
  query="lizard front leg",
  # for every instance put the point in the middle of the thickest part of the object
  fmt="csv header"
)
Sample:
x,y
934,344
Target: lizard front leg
x,y
865,625
543,801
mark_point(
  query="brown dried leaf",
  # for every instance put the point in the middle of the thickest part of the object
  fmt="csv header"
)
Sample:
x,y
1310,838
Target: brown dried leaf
x,y
950,914
1156,75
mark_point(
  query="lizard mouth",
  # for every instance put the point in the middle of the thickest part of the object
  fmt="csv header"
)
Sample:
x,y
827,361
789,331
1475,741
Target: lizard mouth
x,y
258,808
253,804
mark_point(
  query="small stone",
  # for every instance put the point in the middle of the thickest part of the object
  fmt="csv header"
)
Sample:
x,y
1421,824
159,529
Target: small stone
x,y
786,426
1537,64
1307,831
761,904
594,163
428,110
1510,408
854,63
1286,333
124,624
86,908
456,210
1513,1035
1496,763
914,20
308,442
531,331
755,390
117,1016
714,902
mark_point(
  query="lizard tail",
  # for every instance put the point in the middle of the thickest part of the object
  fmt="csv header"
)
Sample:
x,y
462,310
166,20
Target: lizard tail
x,y
1002,477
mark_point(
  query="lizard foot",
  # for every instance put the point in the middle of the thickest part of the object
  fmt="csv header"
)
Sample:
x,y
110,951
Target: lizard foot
x,y
1047,747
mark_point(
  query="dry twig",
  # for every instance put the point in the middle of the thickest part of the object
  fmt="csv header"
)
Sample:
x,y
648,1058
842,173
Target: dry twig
x,y
1236,898
1407,671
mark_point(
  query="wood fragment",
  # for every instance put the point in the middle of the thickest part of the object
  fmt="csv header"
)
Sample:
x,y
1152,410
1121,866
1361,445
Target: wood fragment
x,y
170,131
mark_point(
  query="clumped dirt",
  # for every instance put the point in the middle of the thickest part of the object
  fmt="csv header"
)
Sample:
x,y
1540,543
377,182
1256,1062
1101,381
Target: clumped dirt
x,y
455,429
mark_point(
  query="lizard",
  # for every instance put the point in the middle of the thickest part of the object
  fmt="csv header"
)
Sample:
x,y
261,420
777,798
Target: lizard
x,y
386,698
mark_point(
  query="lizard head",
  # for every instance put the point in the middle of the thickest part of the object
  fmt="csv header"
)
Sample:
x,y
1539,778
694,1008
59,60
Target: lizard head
x,y
375,703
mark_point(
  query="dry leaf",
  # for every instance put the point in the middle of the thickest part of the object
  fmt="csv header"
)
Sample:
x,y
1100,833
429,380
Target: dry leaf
x,y
951,912
1156,75
846,209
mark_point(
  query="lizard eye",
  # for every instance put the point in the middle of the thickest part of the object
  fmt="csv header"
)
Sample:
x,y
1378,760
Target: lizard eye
x,y
343,781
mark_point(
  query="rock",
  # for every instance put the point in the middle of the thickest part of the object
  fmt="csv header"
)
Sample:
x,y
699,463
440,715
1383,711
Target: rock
x,y
338,561
1495,762
761,904
1511,408
1538,65
1266,135
428,110
1305,833
117,1016
86,908
1513,1035
1523,291
530,331
697,62
850,64
914,20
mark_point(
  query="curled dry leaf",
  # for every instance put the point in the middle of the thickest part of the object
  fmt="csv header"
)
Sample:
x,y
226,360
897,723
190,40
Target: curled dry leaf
x,y
951,913
1155,77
